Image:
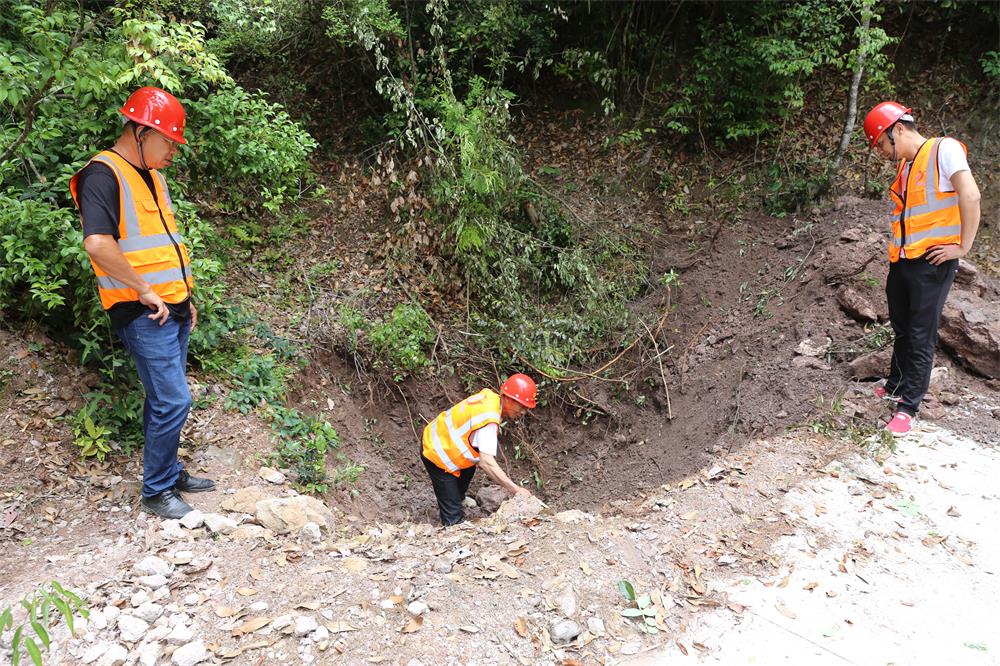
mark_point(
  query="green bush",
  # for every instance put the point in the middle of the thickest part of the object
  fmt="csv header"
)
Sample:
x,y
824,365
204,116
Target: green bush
x,y
398,343
256,378
302,442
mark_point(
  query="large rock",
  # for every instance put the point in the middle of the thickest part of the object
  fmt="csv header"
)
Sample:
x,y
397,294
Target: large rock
x,y
245,500
855,305
491,497
870,366
190,654
519,507
970,330
290,514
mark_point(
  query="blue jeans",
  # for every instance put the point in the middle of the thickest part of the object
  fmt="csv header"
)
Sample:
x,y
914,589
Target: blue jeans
x,y
160,354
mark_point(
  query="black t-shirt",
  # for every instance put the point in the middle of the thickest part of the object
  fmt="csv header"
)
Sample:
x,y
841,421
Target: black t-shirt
x,y
98,195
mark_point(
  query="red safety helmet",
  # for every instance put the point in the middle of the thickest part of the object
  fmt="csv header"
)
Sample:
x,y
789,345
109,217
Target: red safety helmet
x,y
158,109
882,117
521,388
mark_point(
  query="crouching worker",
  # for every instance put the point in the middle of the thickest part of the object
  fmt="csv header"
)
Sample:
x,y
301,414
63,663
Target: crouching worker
x,y
465,436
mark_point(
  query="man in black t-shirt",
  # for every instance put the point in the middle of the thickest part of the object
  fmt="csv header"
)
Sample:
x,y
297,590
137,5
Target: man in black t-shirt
x,y
142,265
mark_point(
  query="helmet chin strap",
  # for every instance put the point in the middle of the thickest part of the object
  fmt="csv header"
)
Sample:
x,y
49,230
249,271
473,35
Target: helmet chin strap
x,y
892,141
138,134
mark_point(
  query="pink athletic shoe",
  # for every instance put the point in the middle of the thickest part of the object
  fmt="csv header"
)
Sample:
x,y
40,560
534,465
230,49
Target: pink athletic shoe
x,y
899,425
882,394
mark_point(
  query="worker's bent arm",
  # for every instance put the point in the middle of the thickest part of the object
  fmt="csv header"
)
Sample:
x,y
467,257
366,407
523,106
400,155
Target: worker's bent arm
x,y
968,206
489,465
104,250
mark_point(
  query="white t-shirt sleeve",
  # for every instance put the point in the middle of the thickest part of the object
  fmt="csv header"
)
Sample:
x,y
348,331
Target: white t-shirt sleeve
x,y
485,439
951,160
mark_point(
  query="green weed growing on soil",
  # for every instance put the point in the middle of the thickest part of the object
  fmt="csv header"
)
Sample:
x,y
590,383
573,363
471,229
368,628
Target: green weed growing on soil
x,y
398,342
301,444
42,607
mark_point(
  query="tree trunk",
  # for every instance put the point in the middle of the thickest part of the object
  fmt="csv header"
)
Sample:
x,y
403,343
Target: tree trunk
x,y
852,102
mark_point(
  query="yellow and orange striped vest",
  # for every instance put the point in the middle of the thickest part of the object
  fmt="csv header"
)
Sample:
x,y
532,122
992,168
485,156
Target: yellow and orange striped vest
x,y
924,217
447,438
147,236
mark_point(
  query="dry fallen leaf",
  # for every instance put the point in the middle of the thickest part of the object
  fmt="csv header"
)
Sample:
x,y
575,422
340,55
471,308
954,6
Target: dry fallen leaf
x,y
326,568
246,591
355,564
811,586
784,611
735,607
906,602
413,625
309,605
470,628
953,512
680,646
251,626
226,611
340,626
256,574
521,627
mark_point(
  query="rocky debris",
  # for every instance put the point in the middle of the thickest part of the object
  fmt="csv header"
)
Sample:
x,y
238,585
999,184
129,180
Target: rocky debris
x,y
271,475
573,517
519,507
132,628
564,631
442,565
180,634
310,533
290,514
139,598
469,503
814,348
564,600
970,329
855,305
417,608
148,612
116,655
244,500
305,624
151,565
193,519
152,582
491,497
150,653
248,531
95,652
219,524
171,530
595,625
190,654
870,366
810,362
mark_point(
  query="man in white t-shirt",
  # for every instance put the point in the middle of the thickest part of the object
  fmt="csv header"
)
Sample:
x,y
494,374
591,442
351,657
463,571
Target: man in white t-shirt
x,y
465,437
934,223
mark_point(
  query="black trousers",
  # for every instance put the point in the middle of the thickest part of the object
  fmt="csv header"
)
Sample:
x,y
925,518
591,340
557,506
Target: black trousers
x,y
916,291
449,490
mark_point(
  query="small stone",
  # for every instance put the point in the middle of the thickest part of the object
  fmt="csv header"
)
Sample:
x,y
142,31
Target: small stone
x,y
95,652
192,599
305,624
152,565
139,598
309,533
181,634
152,582
160,593
97,621
148,612
190,654
387,604
281,622
470,503
564,631
115,656
595,625
271,475
131,628
150,653
258,607
442,565
321,634
417,608
565,600
219,524
159,632
111,613
171,530
949,398
193,519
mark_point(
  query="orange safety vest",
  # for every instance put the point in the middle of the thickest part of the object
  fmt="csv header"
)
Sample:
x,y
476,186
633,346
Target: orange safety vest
x,y
924,217
447,439
147,236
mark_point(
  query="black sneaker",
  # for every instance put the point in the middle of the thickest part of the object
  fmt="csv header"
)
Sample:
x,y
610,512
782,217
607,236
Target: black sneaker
x,y
193,484
167,504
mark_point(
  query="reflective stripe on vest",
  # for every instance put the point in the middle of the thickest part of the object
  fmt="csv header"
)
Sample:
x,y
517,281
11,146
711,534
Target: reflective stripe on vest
x,y
924,216
447,439
148,236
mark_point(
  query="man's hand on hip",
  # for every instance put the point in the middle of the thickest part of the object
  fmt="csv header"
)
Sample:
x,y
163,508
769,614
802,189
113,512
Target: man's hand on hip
x,y
941,253
153,301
